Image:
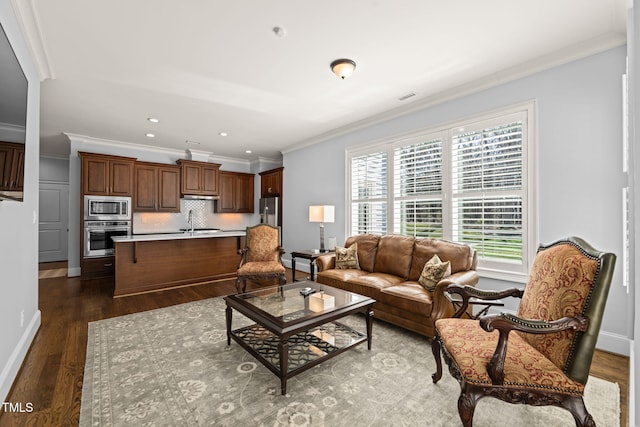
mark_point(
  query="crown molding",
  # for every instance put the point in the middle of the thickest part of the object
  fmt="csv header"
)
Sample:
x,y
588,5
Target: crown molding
x,y
132,146
27,17
525,69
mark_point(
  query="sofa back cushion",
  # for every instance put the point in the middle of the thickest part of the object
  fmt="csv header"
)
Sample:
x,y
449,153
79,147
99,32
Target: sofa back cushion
x,y
462,257
394,255
367,249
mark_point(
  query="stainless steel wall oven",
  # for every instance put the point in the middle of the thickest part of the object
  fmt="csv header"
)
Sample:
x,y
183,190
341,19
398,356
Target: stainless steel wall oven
x,y
104,218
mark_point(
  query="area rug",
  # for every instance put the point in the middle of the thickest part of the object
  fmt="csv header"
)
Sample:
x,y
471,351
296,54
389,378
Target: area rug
x,y
172,367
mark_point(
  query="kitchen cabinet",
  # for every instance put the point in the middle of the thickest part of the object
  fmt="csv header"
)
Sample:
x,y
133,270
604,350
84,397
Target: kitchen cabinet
x,y
98,268
236,193
157,187
105,175
154,265
199,178
11,166
271,182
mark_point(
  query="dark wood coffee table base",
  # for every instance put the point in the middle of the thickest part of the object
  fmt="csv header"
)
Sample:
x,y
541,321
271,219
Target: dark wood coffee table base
x,y
314,340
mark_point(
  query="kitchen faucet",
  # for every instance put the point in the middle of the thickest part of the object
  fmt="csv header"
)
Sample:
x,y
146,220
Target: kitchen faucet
x,y
190,220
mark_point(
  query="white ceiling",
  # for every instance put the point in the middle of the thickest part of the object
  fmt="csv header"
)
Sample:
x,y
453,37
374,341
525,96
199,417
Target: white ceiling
x,y
205,67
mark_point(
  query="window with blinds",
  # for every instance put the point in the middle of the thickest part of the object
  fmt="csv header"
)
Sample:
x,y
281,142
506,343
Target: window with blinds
x,y
487,190
417,190
369,193
467,183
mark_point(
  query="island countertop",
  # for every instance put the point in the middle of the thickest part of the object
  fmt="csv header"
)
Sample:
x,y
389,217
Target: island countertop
x,y
178,236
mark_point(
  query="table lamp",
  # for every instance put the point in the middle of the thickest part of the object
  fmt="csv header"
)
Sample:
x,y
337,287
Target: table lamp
x,y
322,214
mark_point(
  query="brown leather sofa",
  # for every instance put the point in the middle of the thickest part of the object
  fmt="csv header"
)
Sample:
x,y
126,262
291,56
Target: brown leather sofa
x,y
390,267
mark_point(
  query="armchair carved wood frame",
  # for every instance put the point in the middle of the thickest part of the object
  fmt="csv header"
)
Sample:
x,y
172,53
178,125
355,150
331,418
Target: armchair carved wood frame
x,y
261,258
546,360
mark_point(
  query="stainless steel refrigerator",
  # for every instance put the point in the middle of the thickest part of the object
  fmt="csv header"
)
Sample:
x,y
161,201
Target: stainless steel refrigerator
x,y
270,211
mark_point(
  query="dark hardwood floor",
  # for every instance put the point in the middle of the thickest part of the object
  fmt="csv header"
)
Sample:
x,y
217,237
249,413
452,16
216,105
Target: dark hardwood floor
x,y
51,376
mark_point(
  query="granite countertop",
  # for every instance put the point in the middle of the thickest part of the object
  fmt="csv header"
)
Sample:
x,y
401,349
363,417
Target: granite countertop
x,y
178,236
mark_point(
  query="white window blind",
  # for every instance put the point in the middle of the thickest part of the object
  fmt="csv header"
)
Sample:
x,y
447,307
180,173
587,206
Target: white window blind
x,y
487,190
369,193
418,189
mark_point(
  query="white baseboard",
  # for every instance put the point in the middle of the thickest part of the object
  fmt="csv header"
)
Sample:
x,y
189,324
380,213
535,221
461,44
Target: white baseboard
x,y
614,343
73,272
10,370
632,385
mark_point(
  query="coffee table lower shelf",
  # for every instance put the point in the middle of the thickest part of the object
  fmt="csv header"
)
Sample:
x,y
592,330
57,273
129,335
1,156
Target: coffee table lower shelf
x,y
302,350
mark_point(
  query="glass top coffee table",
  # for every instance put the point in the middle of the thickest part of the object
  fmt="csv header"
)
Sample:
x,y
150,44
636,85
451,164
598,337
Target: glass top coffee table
x,y
294,332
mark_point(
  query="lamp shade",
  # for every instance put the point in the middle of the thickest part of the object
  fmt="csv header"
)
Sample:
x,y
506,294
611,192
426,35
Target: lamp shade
x,y
322,213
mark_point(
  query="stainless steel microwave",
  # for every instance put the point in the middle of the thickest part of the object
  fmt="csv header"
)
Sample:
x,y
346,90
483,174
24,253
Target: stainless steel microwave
x,y
107,208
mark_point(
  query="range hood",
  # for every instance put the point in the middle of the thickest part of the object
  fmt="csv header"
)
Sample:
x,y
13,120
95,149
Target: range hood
x,y
198,197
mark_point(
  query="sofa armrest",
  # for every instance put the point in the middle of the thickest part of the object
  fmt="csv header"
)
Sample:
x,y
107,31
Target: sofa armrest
x,y
326,262
441,306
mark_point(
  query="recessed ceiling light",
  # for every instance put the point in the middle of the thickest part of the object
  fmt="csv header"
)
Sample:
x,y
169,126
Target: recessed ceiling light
x,y
247,151
153,120
150,135
223,134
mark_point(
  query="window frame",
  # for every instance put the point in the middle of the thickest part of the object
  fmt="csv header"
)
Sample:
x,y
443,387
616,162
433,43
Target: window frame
x,y
514,272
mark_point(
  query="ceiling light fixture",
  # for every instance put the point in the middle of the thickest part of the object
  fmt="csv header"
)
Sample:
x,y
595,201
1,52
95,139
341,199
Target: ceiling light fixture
x,y
248,151
153,120
223,134
150,135
343,68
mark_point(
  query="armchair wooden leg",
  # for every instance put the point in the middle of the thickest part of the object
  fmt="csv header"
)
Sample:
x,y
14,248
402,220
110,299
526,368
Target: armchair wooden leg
x,y
242,289
435,348
467,405
575,405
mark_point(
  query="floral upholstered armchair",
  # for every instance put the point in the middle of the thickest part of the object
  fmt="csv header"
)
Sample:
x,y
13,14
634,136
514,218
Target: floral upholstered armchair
x,y
261,258
542,355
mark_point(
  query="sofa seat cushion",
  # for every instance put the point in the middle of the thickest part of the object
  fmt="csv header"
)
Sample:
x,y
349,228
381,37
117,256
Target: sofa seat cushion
x,y
472,348
409,296
376,280
341,275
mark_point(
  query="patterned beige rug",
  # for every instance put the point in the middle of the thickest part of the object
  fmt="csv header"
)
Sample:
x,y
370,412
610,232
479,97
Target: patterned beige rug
x,y
172,367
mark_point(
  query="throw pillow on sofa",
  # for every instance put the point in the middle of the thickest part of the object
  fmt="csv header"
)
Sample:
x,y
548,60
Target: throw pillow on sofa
x,y
434,271
347,257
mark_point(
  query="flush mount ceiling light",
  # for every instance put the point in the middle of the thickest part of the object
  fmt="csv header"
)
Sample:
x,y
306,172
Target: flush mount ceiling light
x,y
343,68
153,120
223,133
149,135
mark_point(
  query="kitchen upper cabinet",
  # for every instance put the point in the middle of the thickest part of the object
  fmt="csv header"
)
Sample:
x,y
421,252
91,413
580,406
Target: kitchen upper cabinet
x,y
106,175
11,166
199,178
157,188
236,193
271,182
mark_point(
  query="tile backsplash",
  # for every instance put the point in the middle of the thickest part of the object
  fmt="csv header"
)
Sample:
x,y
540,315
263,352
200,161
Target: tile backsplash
x,y
203,217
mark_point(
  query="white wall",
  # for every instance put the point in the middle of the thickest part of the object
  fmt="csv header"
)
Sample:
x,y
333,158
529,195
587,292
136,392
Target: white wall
x,y
19,231
580,176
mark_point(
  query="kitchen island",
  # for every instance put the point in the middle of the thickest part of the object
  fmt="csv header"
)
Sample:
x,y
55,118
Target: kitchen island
x,y
153,262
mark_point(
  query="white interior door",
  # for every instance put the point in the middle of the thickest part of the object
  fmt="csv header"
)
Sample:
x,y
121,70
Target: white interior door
x,y
54,222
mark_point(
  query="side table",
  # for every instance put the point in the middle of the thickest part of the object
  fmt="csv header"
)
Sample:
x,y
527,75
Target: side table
x,y
309,254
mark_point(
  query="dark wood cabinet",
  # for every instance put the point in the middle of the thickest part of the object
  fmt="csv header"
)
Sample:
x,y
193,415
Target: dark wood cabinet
x,y
199,178
97,268
11,166
236,193
271,182
157,188
106,175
